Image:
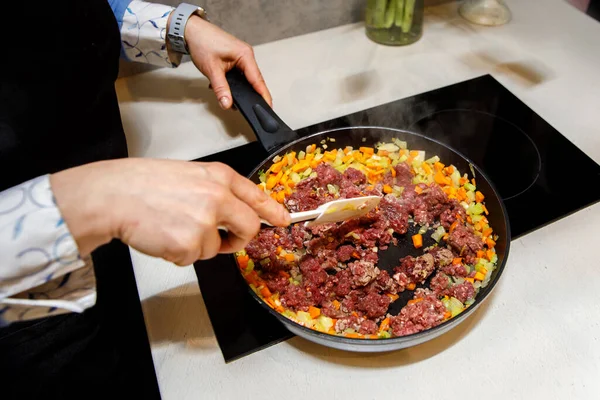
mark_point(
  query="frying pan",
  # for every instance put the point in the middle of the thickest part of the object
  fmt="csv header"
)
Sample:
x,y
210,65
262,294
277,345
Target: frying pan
x,y
277,138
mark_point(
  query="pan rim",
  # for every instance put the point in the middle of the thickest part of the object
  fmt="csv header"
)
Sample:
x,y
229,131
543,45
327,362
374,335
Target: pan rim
x,y
444,326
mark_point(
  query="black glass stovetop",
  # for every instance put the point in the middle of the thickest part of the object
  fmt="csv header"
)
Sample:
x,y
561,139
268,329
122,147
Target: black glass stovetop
x,y
540,175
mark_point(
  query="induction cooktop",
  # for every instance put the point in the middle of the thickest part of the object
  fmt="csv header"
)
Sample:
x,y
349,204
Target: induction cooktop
x,y
528,160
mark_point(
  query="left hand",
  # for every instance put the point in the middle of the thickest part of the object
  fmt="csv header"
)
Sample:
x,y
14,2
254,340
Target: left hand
x,y
215,52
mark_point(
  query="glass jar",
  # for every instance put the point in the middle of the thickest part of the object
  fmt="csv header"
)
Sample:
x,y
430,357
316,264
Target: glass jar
x,y
394,22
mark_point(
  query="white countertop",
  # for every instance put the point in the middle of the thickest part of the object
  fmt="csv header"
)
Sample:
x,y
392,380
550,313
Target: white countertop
x,y
537,336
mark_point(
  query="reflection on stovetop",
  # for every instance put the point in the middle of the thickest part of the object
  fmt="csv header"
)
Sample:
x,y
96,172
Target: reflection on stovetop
x,y
529,162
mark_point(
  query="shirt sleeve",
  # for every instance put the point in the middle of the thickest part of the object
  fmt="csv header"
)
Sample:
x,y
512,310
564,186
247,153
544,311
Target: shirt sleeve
x,y
143,29
41,271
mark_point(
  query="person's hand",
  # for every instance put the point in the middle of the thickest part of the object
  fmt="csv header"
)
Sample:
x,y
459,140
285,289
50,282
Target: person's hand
x,y
215,52
167,209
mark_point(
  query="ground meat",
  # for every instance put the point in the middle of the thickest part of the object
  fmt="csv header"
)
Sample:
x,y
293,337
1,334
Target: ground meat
x,y
300,235
344,283
401,280
368,327
350,322
327,175
373,305
344,253
462,291
354,176
384,283
329,309
417,269
419,316
296,298
276,282
370,256
439,282
450,214
430,204
404,175
464,242
327,258
441,256
362,272
267,241
395,213
455,270
312,271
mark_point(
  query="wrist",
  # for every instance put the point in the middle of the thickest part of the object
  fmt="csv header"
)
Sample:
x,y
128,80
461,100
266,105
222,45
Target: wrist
x,y
83,210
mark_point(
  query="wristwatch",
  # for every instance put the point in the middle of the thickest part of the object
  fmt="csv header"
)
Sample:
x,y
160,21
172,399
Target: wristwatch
x,y
179,19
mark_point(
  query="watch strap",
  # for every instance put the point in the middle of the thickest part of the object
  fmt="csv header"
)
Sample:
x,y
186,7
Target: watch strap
x,y
181,15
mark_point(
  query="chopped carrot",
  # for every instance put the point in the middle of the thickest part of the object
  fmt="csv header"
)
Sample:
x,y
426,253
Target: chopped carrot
x,y
347,158
284,274
278,166
450,170
301,166
353,335
461,194
311,148
462,181
415,301
355,254
426,168
485,210
393,297
347,149
469,220
453,226
478,226
490,243
393,170
447,314
457,261
489,254
483,270
309,157
314,312
417,240
280,196
470,280
279,249
272,181
337,304
441,179
413,153
479,196
315,163
487,232
438,166
387,189
418,189
289,257
330,156
284,180
479,276
445,237
411,286
480,253
367,150
382,153
265,292
276,236
385,324
274,196
291,184
473,182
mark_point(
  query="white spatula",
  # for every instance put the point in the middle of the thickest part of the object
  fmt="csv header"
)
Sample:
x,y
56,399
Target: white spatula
x,y
333,211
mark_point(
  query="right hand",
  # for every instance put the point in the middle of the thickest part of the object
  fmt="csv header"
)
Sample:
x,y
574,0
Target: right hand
x,y
167,209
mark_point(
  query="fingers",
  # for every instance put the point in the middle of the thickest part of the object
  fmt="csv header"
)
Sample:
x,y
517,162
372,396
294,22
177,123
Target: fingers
x,y
241,221
259,201
220,86
247,64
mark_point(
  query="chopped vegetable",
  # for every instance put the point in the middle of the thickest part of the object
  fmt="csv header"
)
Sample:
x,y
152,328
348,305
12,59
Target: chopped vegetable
x,y
417,240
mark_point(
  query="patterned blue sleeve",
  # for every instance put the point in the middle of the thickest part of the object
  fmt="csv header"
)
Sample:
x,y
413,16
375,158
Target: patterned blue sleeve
x,y
143,29
41,272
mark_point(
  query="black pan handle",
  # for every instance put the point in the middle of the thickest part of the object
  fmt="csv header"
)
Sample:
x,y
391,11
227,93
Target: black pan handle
x,y
270,130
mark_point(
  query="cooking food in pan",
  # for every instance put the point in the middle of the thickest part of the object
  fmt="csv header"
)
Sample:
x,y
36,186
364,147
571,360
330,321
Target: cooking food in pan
x,y
327,277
